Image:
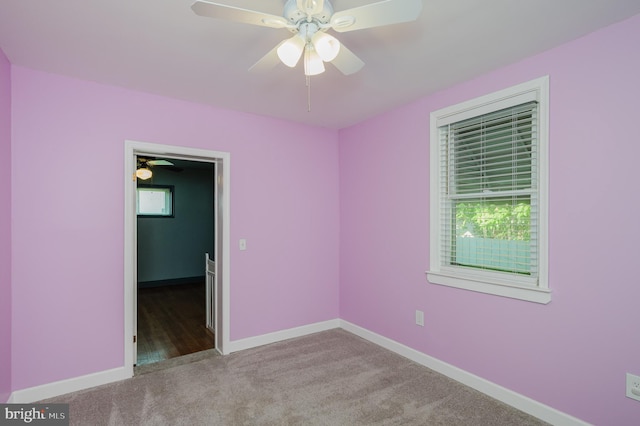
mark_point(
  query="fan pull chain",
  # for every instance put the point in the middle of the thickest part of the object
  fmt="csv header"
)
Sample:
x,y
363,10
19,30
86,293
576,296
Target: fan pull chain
x,y
307,76
308,93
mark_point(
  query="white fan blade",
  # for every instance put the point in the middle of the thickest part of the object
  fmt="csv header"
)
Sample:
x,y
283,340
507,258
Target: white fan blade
x,y
159,163
268,61
376,15
236,14
347,62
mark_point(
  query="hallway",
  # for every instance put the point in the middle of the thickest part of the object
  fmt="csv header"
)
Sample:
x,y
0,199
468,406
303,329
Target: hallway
x,y
171,322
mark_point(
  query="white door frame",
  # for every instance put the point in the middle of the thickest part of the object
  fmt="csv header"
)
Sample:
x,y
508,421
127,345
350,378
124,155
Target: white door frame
x,y
222,246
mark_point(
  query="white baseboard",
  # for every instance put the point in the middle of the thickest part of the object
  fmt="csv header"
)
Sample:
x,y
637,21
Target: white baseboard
x,y
516,400
278,336
50,390
509,397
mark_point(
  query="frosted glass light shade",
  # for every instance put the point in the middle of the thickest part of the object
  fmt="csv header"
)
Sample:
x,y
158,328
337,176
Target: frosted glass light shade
x,y
291,50
326,45
313,64
143,173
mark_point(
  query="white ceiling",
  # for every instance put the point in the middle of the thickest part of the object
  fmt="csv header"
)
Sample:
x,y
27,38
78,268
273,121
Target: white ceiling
x,y
162,47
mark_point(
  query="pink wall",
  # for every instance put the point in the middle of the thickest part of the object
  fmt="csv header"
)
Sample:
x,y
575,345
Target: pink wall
x,y
68,209
573,353
5,227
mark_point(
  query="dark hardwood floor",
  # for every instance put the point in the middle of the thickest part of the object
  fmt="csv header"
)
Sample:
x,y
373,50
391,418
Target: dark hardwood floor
x,y
171,322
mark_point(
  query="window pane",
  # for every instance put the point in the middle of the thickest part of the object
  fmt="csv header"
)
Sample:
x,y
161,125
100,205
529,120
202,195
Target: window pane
x,y
492,233
155,201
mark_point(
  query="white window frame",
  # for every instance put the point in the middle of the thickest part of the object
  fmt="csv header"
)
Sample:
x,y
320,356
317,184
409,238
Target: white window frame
x,y
169,204
483,281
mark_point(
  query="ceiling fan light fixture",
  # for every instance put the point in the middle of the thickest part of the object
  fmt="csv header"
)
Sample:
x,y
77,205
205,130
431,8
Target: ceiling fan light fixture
x,y
143,173
313,64
326,45
291,50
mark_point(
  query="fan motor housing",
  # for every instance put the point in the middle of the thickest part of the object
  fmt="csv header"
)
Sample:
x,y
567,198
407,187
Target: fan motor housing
x,y
296,16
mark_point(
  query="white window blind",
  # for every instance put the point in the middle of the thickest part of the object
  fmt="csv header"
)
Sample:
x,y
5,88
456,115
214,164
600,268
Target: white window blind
x,y
489,187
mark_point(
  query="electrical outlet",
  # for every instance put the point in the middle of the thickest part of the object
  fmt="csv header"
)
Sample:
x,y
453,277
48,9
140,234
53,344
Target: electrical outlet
x,y
420,318
633,386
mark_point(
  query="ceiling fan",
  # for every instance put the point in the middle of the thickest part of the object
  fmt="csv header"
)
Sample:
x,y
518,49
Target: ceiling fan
x,y
143,169
309,21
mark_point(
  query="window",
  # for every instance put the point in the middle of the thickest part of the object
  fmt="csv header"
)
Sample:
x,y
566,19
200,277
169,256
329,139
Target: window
x,y
489,194
154,201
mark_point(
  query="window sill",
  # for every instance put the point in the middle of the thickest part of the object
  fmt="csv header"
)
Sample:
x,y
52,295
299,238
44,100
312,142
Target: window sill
x,y
527,293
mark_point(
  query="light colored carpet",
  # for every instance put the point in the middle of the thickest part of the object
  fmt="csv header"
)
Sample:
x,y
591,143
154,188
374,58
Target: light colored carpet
x,y
328,378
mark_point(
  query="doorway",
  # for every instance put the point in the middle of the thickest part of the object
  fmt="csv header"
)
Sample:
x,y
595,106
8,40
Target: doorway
x,y
221,162
175,228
